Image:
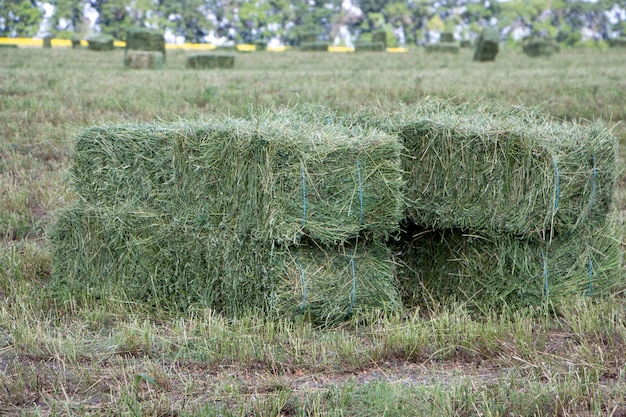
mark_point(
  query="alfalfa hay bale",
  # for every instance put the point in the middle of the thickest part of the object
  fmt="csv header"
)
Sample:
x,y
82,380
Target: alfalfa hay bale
x,y
503,170
277,177
100,42
329,285
144,59
47,42
488,45
535,47
369,47
145,39
204,60
487,272
443,47
317,46
180,262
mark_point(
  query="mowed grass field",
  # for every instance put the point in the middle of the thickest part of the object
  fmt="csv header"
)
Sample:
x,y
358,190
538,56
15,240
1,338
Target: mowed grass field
x,y
114,358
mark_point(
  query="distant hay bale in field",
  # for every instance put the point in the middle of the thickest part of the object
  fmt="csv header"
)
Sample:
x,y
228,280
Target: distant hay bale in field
x,y
307,37
210,60
488,45
443,47
260,45
369,47
317,46
506,271
100,42
144,39
280,178
380,36
466,43
8,45
502,170
47,42
144,59
447,37
618,42
540,47
75,42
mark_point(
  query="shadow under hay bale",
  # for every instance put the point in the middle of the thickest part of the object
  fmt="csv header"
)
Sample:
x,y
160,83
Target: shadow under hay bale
x,y
443,47
317,46
209,60
369,47
540,47
502,170
505,271
100,43
144,60
488,45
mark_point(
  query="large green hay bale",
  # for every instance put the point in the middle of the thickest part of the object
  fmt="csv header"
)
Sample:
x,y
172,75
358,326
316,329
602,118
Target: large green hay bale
x,y
317,46
502,170
380,36
540,47
100,43
210,60
488,45
276,177
180,262
144,59
144,39
443,47
369,47
506,271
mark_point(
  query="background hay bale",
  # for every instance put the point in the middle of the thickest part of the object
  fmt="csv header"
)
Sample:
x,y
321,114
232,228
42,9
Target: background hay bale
x,y
47,42
618,42
443,47
144,59
447,37
75,42
502,170
369,47
260,45
8,45
272,177
209,60
144,39
380,36
540,47
506,271
100,42
317,46
488,44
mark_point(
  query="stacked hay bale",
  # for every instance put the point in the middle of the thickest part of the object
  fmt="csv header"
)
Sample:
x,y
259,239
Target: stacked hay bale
x,y
488,44
209,60
540,47
276,215
100,42
506,206
145,48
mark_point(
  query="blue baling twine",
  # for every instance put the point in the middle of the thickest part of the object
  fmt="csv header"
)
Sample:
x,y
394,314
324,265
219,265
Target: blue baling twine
x,y
329,120
358,172
303,197
590,266
593,184
546,289
353,295
556,188
303,306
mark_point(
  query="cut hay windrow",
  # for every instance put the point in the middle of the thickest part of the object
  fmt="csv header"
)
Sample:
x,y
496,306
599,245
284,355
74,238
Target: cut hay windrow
x,y
275,178
178,263
503,170
496,272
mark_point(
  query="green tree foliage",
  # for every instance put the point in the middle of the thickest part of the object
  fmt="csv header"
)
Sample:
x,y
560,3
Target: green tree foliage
x,y
19,18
